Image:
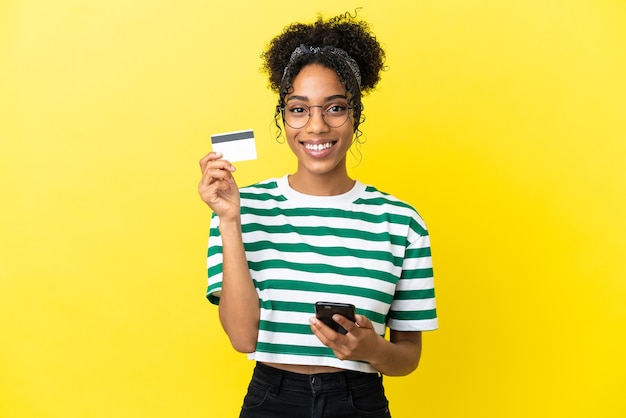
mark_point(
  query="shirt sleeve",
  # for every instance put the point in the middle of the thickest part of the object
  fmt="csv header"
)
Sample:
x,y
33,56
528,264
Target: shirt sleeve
x,y
214,262
413,307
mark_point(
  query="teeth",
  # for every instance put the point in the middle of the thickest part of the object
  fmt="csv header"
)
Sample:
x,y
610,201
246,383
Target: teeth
x,y
318,147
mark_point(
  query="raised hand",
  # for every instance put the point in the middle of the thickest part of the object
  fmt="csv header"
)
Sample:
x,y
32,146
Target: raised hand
x,y
218,188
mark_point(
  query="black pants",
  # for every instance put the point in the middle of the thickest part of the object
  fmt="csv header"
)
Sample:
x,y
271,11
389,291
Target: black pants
x,y
277,393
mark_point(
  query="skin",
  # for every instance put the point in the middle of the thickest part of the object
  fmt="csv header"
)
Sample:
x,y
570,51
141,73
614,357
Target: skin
x,y
319,172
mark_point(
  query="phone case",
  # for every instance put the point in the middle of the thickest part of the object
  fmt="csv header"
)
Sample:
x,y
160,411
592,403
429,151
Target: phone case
x,y
324,311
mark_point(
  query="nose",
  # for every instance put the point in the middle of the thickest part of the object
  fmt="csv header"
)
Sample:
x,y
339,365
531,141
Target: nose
x,y
316,120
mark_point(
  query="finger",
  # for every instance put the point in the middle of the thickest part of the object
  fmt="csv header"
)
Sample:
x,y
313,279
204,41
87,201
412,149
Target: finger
x,y
363,322
221,183
215,157
219,164
347,324
217,170
215,186
211,173
329,335
209,194
216,193
209,157
319,329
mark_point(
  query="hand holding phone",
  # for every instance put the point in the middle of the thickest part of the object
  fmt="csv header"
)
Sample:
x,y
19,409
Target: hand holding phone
x,y
324,311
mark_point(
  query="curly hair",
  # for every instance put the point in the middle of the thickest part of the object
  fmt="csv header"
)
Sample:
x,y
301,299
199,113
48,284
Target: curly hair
x,y
344,32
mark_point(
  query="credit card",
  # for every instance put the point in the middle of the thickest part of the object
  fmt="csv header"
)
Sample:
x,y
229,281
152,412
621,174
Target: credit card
x,y
235,146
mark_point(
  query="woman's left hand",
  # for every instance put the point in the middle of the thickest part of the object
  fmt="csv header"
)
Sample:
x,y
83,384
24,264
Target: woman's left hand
x,y
360,343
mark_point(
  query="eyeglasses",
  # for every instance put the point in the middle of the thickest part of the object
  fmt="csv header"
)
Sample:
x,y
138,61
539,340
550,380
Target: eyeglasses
x,y
297,115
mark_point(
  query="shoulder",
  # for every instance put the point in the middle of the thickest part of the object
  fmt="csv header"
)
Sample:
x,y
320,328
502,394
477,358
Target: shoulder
x,y
267,184
259,194
378,201
375,197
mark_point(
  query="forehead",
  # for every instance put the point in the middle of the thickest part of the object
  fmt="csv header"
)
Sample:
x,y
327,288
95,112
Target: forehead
x,y
315,80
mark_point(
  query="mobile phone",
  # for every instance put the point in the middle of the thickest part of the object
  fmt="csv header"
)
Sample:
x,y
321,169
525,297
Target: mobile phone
x,y
324,311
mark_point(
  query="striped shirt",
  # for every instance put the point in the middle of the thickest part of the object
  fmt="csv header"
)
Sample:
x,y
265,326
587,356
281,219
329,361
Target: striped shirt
x,y
363,247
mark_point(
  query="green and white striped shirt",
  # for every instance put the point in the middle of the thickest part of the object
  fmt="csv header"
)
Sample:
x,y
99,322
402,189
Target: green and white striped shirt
x,y
363,247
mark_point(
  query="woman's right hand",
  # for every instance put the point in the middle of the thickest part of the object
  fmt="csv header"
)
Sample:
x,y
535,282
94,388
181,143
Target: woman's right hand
x,y
218,188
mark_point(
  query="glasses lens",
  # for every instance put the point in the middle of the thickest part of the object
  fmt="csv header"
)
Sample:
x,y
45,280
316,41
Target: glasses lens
x,y
334,115
296,115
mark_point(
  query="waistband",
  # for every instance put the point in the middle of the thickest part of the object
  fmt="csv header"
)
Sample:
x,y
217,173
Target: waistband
x,y
279,379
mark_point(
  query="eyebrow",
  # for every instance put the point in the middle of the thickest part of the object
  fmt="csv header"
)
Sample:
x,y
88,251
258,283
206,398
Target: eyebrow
x,y
326,99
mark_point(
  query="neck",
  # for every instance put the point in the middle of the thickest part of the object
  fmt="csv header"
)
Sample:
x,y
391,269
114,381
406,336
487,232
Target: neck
x,y
321,185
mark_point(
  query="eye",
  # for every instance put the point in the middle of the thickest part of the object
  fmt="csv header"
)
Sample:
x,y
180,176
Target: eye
x,y
298,109
336,108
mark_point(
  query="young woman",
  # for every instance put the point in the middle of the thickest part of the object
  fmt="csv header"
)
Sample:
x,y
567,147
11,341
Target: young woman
x,y
279,246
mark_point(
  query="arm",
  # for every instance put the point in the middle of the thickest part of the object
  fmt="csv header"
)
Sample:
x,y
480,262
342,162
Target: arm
x,y
239,302
397,357
401,355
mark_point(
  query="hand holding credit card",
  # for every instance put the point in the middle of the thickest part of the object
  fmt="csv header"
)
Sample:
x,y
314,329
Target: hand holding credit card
x,y
235,146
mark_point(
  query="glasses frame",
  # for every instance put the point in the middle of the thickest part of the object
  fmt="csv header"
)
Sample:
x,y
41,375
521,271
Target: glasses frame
x,y
348,109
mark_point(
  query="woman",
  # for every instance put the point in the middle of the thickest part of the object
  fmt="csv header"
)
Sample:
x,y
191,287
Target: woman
x,y
279,246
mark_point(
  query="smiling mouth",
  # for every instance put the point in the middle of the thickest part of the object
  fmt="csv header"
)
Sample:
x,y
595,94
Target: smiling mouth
x,y
319,147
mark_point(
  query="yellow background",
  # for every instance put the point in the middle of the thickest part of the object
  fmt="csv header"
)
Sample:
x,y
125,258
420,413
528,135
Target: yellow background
x,y
503,122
